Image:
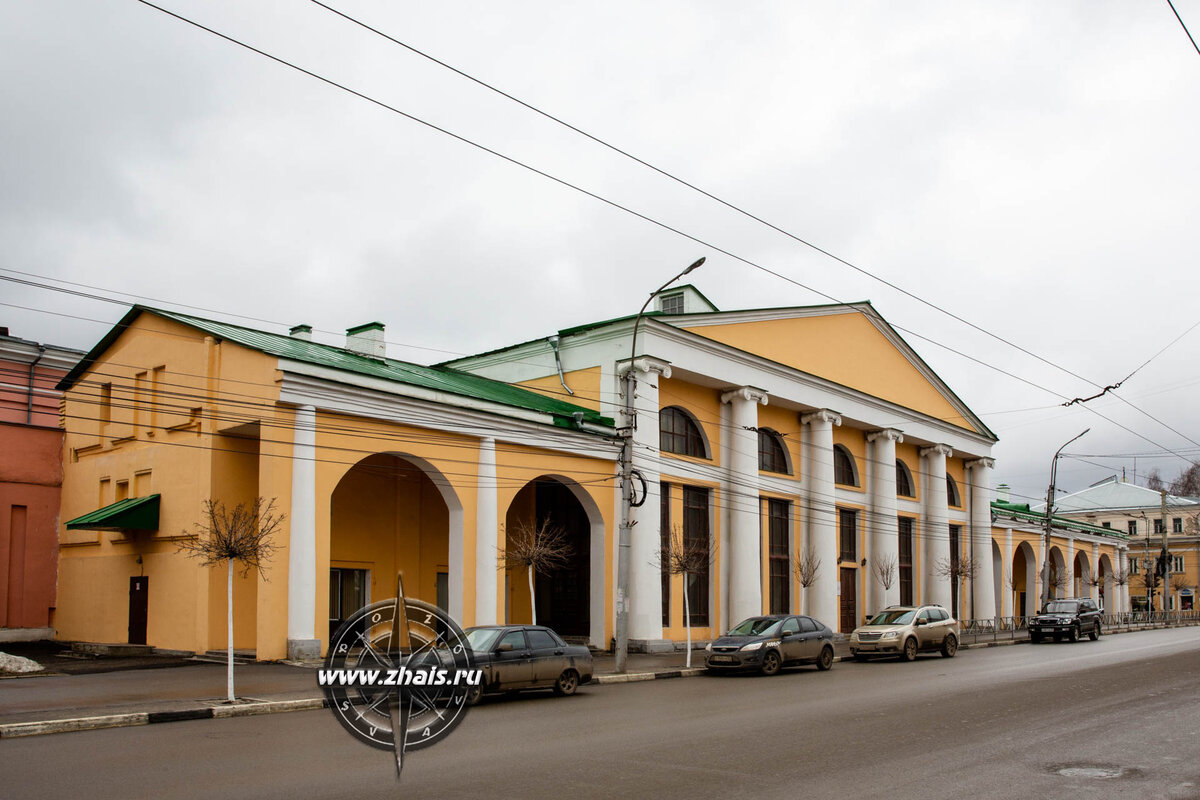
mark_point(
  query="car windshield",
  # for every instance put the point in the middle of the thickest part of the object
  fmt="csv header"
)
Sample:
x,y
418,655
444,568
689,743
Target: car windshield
x,y
893,616
1062,607
756,626
482,638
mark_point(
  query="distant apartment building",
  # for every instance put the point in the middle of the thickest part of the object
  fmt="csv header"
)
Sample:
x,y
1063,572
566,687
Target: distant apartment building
x,y
30,483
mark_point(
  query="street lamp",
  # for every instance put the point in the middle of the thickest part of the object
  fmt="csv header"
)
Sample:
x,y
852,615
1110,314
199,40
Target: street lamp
x,y
1049,515
623,536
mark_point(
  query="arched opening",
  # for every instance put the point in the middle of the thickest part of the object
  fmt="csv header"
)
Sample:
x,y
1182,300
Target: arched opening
x,y
997,584
1058,574
952,496
1081,585
563,597
772,455
680,433
393,514
844,470
1024,579
1108,597
904,480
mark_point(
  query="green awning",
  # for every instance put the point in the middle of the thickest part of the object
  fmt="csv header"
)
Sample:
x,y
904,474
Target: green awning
x,y
134,513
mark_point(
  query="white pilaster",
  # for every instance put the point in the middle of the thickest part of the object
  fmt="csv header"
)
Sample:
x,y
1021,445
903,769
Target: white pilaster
x,y
1007,602
1069,589
487,533
984,585
745,539
1094,589
935,539
884,539
645,582
821,598
302,540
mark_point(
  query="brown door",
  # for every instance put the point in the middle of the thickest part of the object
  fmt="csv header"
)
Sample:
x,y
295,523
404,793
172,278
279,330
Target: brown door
x,y
139,593
849,596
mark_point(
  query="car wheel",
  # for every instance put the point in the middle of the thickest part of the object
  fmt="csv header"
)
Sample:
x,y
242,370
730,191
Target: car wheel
x,y
1036,638
860,658
949,646
1095,633
567,683
771,663
826,659
910,650
474,694
1073,634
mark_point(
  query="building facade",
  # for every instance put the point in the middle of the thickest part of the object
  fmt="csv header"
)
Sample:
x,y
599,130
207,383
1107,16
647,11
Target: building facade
x,y
809,452
1149,519
30,483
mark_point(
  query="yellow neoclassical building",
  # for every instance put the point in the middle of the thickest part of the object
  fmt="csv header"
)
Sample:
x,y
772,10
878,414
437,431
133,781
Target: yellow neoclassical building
x,y
826,468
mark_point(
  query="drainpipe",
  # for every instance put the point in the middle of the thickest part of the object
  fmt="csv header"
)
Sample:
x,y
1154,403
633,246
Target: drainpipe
x,y
558,365
29,400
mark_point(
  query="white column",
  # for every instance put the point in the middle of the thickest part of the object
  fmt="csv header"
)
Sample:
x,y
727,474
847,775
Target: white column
x,y
302,540
745,538
1123,561
1069,589
885,541
645,583
935,525
1094,567
1007,601
821,598
984,590
487,532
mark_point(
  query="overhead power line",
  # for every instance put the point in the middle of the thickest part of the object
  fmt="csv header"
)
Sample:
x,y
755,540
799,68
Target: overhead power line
x,y
1185,27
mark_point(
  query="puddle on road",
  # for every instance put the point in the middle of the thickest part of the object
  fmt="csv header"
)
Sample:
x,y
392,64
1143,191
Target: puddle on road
x,y
1099,772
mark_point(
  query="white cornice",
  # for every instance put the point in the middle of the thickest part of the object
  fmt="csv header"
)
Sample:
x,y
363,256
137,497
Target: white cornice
x,y
326,394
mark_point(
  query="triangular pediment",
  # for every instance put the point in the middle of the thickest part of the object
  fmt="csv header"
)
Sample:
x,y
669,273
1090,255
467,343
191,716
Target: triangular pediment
x,y
848,344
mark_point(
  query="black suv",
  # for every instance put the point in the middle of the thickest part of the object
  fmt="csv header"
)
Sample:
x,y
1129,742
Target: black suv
x,y
1072,618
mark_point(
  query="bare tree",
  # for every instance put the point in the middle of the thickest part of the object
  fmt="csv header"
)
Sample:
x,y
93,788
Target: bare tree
x,y
807,566
541,548
1120,577
244,535
963,569
1180,582
885,571
1154,481
684,555
1187,483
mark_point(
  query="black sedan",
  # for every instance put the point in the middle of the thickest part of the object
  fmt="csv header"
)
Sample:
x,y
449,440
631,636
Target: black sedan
x,y
517,657
770,643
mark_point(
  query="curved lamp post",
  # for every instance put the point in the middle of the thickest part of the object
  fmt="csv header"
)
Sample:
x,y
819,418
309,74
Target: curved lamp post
x,y
623,536
1049,514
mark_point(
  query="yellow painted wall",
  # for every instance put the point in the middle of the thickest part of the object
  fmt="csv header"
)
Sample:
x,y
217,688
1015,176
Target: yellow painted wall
x,y
703,403
842,347
585,383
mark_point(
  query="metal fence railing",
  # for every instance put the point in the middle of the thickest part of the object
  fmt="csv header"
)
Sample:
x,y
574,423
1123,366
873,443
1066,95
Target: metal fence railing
x,y
1017,628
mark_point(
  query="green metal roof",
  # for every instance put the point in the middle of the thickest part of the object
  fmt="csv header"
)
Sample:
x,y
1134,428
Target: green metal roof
x,y
134,513
437,378
1021,511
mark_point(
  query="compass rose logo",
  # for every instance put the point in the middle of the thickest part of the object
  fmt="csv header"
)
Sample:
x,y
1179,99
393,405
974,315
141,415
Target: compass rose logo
x,y
399,675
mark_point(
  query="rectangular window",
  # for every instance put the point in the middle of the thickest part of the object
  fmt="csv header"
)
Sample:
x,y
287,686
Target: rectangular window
x,y
672,303
906,560
1177,525
1158,526
1133,565
1133,527
122,490
1106,524
847,535
778,558
1176,563
696,539
664,538
955,560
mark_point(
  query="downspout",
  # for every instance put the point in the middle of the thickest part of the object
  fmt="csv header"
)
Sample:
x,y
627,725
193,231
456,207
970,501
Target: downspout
x,y
29,400
558,365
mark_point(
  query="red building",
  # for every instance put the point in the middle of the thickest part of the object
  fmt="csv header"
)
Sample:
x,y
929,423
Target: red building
x,y
30,483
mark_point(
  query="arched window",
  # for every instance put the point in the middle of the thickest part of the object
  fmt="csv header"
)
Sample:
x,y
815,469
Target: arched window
x,y
771,455
952,497
843,467
678,433
904,481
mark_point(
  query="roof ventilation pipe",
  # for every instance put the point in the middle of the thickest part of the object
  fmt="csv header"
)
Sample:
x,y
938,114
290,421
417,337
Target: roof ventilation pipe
x,y
558,365
367,340
301,332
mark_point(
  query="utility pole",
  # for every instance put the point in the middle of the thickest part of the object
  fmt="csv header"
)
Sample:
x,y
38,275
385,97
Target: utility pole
x,y
1049,516
625,532
1165,556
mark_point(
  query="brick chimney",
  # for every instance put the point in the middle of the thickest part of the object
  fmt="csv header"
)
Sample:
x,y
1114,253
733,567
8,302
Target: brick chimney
x,y
367,340
302,332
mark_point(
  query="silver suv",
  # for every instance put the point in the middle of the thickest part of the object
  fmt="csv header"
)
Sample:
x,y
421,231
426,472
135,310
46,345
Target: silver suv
x,y
904,631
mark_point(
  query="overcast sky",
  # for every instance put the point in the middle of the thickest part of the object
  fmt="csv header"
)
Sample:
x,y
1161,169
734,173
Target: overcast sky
x,y
1031,167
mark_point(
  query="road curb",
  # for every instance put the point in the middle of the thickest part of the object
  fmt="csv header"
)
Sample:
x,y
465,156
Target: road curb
x,y
635,677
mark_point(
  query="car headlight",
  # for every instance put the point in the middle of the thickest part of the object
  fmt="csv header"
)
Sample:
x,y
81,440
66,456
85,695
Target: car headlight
x,y
890,635
854,636
752,646
708,647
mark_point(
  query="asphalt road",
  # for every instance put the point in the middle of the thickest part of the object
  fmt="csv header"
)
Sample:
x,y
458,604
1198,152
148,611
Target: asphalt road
x,y
1115,718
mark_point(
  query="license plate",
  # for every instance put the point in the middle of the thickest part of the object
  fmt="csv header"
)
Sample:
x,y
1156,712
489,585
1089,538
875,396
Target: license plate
x,y
866,646
720,659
